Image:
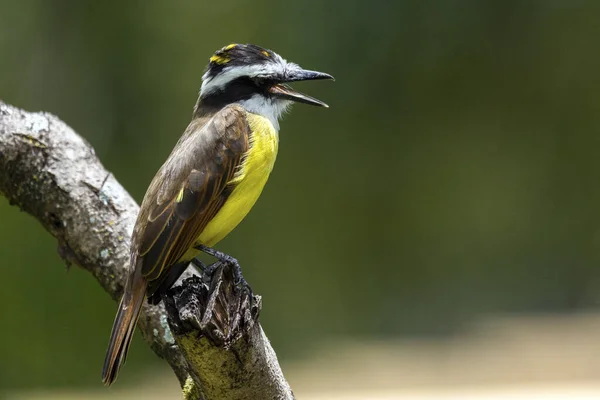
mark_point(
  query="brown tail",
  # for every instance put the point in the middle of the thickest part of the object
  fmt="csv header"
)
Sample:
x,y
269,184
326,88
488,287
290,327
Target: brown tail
x,y
124,326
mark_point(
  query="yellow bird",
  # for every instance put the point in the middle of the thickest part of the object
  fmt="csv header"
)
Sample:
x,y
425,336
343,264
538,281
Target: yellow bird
x,y
211,180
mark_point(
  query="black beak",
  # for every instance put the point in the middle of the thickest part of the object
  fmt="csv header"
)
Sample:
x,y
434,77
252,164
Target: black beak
x,y
295,74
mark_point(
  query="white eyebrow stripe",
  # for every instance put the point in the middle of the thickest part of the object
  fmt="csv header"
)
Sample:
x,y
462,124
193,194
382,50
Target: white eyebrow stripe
x,y
229,74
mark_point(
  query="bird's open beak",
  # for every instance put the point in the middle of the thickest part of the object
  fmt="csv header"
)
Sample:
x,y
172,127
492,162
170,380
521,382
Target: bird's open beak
x,y
296,74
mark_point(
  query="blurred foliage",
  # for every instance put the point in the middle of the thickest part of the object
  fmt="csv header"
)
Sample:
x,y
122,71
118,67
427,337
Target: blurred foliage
x,y
456,172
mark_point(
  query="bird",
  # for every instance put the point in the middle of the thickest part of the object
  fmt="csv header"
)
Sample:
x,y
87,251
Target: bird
x,y
210,181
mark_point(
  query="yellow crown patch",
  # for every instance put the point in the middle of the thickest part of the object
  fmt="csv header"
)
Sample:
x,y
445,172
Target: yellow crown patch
x,y
220,59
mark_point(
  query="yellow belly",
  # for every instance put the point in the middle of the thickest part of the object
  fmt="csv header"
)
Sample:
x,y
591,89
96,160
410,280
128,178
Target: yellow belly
x,y
249,181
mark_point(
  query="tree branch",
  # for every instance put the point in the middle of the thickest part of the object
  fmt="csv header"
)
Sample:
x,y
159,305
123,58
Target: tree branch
x,y
53,174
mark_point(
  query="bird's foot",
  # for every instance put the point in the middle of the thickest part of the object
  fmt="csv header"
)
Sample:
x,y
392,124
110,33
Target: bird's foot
x,y
207,270
228,305
228,261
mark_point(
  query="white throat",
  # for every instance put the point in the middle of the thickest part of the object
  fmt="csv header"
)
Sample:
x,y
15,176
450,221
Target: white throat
x,y
271,109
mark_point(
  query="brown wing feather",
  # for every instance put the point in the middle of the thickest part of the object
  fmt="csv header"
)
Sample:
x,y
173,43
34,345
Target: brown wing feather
x,y
189,190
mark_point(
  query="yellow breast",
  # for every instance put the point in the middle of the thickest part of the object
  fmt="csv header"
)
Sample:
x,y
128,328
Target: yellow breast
x,y
249,181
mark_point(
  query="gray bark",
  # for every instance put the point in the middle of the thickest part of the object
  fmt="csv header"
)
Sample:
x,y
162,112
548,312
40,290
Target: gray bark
x,y
52,173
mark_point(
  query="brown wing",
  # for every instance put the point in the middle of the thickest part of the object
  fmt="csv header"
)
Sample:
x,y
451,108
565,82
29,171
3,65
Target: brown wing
x,y
188,190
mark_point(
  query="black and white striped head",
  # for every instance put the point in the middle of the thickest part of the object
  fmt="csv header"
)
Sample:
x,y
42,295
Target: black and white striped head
x,y
254,78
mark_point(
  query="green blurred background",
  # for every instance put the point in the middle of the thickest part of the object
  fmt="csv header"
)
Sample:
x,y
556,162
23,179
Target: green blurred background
x,y
455,175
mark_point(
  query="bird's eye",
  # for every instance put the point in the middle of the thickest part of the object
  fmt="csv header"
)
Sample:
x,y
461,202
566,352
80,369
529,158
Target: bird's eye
x,y
258,81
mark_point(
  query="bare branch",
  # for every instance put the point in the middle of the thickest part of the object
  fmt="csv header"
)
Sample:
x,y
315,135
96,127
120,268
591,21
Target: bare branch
x,y
53,174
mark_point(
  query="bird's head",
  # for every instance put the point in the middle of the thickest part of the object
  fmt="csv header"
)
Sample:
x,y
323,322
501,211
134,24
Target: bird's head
x,y
255,78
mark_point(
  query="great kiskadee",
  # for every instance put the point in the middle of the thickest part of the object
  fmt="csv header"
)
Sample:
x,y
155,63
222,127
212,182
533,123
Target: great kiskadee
x,y
212,178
